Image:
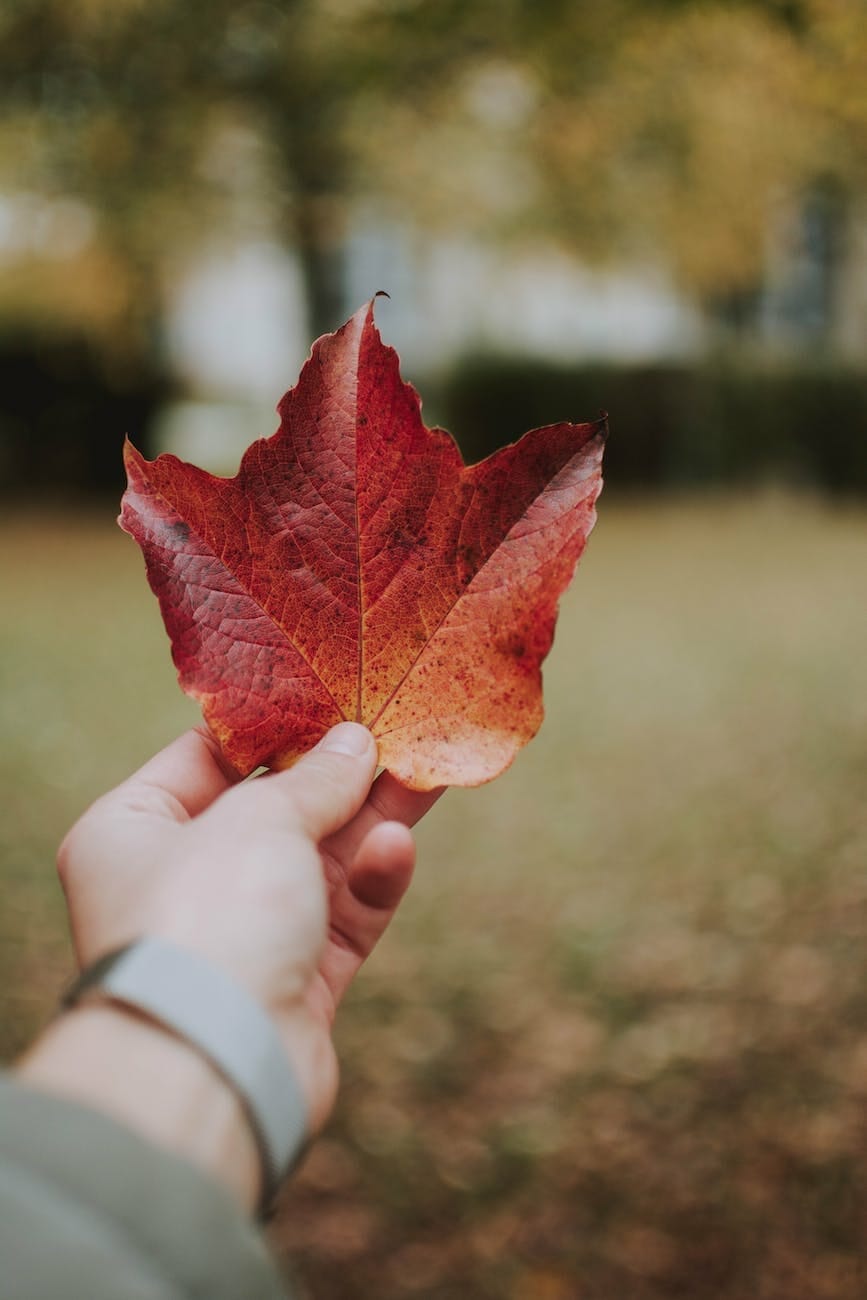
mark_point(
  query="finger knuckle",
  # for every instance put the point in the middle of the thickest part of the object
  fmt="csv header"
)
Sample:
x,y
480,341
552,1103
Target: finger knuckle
x,y
69,854
322,782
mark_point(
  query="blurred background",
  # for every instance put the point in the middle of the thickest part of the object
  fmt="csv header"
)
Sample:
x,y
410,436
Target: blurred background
x,y
616,1043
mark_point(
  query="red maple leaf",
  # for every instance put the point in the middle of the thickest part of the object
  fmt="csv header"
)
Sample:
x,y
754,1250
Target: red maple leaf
x,y
356,568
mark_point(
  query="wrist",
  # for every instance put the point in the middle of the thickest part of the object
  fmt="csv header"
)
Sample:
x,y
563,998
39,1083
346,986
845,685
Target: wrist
x,y
117,1061
196,1000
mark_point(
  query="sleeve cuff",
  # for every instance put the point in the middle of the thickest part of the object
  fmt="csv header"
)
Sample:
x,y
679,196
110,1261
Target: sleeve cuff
x,y
88,1207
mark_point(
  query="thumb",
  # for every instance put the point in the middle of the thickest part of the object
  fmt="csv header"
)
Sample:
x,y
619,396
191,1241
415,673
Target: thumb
x,y
324,789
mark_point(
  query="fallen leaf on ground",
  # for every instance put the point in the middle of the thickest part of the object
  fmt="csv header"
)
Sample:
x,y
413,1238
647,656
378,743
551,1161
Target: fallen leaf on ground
x,y
355,568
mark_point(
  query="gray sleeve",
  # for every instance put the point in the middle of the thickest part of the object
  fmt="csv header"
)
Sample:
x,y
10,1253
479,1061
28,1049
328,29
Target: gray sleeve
x,y
90,1211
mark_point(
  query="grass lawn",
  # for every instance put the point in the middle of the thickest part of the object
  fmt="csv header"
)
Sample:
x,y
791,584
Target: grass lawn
x,y
615,1047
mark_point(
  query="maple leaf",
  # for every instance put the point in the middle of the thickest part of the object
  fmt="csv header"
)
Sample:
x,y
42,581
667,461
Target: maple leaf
x,y
356,568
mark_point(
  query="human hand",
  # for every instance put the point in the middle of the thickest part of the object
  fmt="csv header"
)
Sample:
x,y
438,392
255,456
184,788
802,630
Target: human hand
x,y
234,872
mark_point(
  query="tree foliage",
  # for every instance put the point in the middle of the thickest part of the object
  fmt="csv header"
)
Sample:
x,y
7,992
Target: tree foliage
x,y
663,131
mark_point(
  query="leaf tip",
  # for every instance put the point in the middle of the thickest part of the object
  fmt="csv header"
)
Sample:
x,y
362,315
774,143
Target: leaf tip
x,y
131,453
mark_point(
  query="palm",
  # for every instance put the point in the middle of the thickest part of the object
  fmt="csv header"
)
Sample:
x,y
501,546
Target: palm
x,y
367,863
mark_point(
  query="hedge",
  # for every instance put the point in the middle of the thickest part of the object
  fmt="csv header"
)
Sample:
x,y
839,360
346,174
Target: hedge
x,y
677,425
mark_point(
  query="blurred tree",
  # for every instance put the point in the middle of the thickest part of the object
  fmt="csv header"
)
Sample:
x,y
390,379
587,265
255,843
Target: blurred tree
x,y
639,132
130,106
664,131
715,139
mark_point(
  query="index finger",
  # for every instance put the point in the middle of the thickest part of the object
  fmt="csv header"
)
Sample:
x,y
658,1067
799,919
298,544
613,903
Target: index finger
x,y
190,774
388,801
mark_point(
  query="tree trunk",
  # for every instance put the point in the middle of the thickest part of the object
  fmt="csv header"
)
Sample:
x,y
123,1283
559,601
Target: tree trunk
x,y
320,248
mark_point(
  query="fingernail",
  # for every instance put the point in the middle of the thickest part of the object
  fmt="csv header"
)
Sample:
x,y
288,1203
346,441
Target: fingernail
x,y
346,738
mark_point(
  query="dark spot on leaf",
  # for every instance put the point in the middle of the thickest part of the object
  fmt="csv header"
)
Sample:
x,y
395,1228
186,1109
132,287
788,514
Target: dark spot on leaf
x,y
514,646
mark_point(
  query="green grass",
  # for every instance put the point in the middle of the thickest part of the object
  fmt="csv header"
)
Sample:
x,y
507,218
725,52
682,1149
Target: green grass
x,y
615,1045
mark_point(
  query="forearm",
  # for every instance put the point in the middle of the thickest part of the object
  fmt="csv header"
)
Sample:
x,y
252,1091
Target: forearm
x,y
113,1060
